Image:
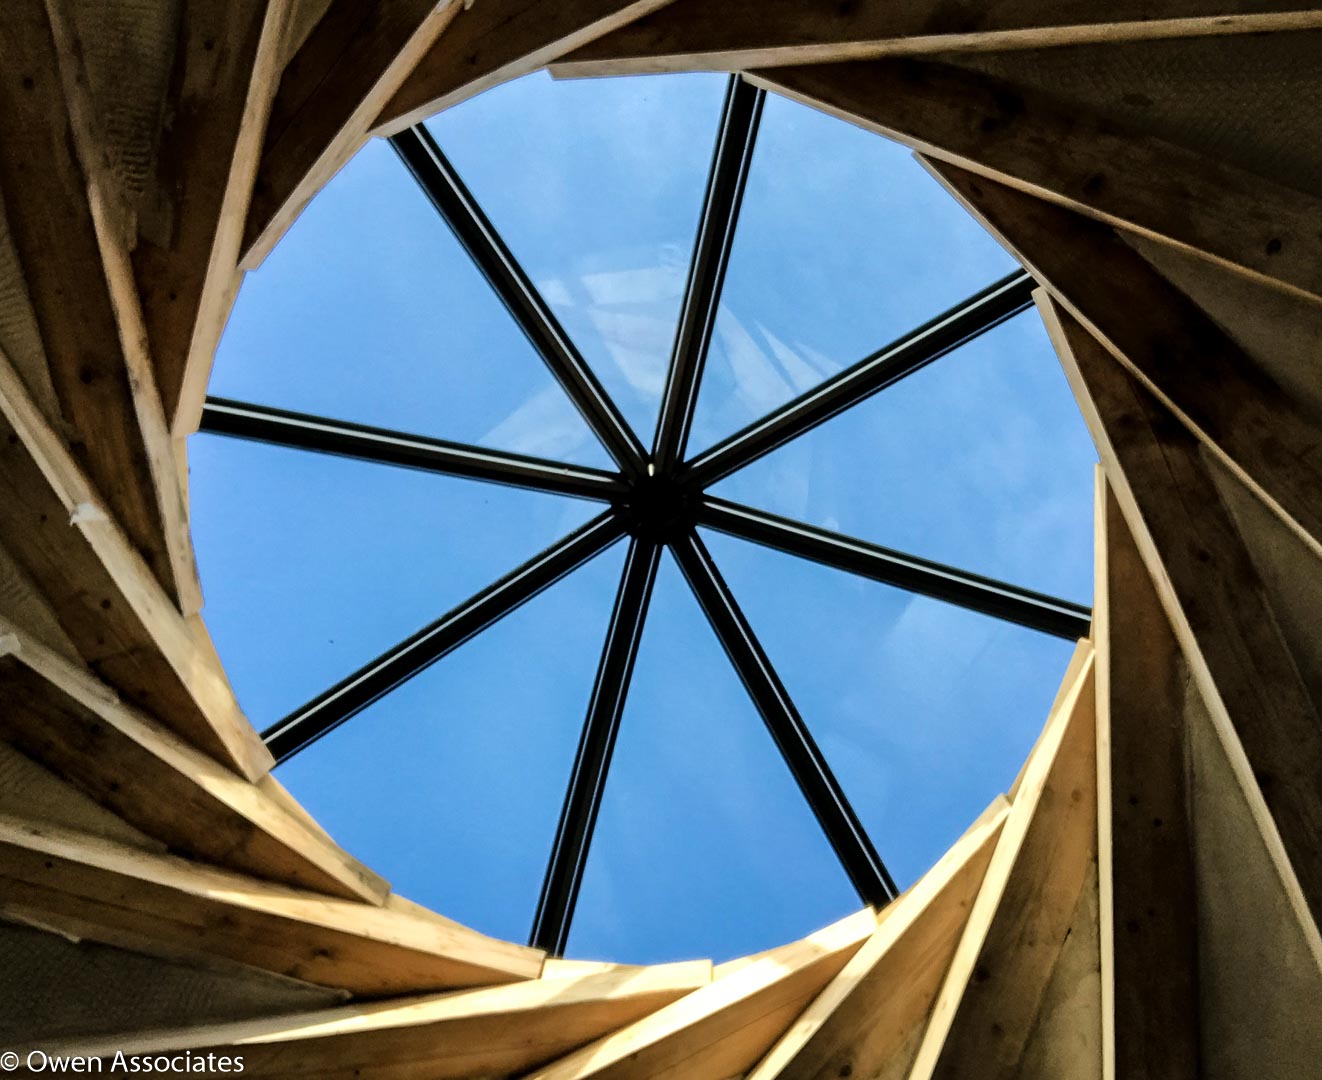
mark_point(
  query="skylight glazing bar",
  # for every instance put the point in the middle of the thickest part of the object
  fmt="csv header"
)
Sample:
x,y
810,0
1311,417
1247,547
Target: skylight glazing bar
x,y
809,768
301,431
456,205
1049,614
353,694
711,254
587,782
961,324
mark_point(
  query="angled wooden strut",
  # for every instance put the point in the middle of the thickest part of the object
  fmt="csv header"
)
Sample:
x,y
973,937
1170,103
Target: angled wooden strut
x,y
101,890
1023,139
66,541
1213,596
694,35
495,41
60,715
351,64
105,407
1192,366
496,1031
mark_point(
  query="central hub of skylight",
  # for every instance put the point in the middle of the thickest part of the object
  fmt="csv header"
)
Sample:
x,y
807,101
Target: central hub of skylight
x,y
659,507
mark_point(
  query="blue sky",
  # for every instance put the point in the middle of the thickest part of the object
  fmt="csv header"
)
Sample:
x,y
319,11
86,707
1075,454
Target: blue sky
x,y
369,311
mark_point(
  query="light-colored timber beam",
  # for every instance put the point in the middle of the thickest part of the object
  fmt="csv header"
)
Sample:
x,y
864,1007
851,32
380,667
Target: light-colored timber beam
x,y
65,541
497,1031
862,1021
85,308
723,1028
740,35
1243,222
60,715
1148,893
1216,603
989,1003
497,40
356,57
227,64
104,891
1161,336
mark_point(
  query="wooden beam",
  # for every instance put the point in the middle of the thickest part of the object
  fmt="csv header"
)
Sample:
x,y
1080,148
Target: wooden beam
x,y
1212,595
863,1019
101,396
65,541
495,41
1238,220
497,1031
59,714
1180,355
227,65
1149,909
985,1010
356,57
166,905
722,1029
741,35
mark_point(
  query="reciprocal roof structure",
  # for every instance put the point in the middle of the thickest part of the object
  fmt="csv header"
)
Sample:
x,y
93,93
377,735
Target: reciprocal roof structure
x,y
1145,898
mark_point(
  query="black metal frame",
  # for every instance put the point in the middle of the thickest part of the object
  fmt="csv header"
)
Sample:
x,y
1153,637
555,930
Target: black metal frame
x,y
658,501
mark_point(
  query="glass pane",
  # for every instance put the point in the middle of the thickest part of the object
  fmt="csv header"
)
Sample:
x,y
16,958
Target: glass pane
x,y
925,711
980,460
369,310
844,244
313,565
704,845
596,186
451,786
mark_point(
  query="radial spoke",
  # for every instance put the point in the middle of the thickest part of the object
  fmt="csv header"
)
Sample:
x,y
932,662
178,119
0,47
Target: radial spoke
x,y
351,695
711,255
796,744
456,205
1049,614
280,427
959,325
587,782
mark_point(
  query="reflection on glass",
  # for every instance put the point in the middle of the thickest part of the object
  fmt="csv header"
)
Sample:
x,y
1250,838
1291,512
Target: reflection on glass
x,y
313,565
924,711
844,244
452,784
369,310
596,186
704,845
980,460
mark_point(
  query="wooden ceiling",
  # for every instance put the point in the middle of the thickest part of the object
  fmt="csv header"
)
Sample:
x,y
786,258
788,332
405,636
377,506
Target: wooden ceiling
x,y
1145,901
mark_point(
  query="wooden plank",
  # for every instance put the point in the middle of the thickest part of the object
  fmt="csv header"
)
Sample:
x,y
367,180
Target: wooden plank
x,y
117,614
497,1031
170,906
1149,903
495,41
1213,596
62,716
226,69
351,64
1178,353
987,1004
723,1028
861,1022
741,35
1259,975
51,224
1025,140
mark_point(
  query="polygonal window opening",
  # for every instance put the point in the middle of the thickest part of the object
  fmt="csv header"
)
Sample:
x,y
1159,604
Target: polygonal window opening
x,y
745,380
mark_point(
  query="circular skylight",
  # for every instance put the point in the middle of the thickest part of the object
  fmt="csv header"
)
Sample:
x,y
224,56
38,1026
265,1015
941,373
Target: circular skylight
x,y
645,514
